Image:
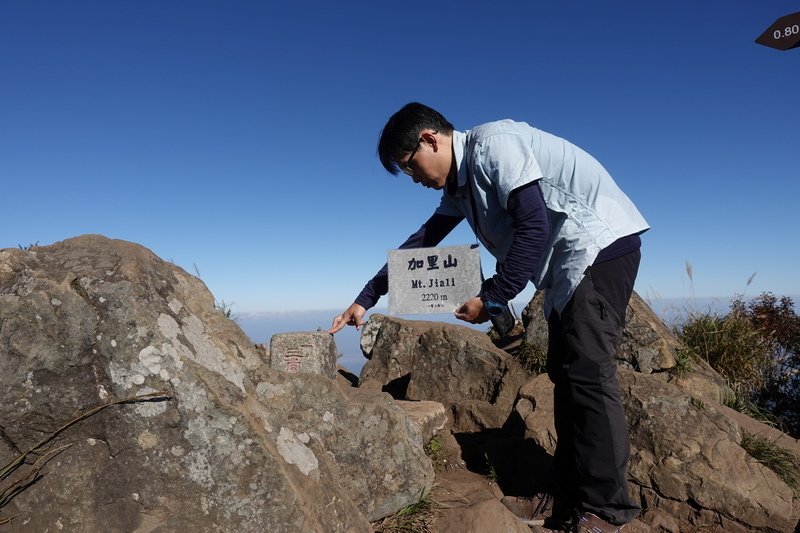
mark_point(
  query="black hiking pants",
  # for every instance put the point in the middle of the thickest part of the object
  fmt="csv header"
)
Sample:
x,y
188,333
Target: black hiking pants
x,y
591,458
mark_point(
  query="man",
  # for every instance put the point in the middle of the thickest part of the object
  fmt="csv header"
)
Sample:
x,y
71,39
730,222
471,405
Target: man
x,y
551,214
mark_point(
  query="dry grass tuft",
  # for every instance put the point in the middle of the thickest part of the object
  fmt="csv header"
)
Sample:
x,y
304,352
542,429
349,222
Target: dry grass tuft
x,y
417,517
779,460
437,453
731,345
531,357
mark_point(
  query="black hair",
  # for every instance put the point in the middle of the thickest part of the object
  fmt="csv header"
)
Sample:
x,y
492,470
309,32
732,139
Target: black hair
x,y
401,132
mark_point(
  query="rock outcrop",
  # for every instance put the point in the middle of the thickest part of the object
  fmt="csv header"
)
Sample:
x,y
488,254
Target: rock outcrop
x,y
686,461
232,445
687,466
453,365
199,431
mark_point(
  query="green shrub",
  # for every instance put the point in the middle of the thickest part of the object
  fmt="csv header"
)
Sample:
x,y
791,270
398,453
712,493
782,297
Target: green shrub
x,y
756,348
684,363
531,357
436,452
731,345
777,322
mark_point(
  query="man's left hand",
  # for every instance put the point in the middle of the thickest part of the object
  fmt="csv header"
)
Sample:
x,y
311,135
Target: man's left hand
x,y
472,311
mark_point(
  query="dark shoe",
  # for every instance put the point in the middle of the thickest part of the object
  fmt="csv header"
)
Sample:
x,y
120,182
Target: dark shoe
x,y
530,511
564,517
591,523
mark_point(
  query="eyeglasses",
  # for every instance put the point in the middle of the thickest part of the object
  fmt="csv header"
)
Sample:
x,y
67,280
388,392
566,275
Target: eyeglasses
x,y
406,167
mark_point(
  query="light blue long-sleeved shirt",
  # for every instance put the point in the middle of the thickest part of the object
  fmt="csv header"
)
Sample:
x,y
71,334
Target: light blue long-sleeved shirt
x,y
587,209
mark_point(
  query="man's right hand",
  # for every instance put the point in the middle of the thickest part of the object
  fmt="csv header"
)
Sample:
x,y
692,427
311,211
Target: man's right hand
x,y
352,316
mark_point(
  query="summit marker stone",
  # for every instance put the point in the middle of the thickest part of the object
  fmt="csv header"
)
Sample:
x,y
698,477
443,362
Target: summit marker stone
x,y
433,280
304,352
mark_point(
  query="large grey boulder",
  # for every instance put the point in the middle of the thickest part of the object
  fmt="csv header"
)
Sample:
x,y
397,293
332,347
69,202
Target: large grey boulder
x,y
238,447
456,366
686,463
426,419
376,447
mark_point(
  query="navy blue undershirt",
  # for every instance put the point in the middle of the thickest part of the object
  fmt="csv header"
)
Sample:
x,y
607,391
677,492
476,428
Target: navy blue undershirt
x,y
531,223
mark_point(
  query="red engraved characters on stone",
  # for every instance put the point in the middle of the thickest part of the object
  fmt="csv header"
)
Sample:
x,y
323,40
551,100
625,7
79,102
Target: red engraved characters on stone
x,y
294,358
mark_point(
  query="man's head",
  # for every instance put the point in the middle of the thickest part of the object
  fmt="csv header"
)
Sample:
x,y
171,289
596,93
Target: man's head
x,y
417,140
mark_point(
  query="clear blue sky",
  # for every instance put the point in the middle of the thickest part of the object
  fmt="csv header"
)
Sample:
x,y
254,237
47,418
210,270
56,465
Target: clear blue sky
x,y
238,138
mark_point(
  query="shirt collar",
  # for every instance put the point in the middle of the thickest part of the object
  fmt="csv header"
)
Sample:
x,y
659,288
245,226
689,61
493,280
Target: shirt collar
x,y
459,153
